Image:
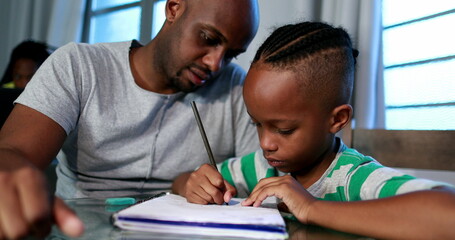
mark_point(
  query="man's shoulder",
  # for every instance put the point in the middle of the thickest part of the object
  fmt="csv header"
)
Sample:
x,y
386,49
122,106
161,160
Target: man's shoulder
x,y
224,82
232,71
100,44
95,48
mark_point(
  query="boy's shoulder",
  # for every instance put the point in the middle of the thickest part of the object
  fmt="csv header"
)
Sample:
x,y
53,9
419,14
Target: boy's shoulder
x,y
351,158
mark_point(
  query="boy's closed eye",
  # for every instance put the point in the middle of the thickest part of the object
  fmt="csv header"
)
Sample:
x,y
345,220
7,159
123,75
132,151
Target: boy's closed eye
x,y
281,131
284,131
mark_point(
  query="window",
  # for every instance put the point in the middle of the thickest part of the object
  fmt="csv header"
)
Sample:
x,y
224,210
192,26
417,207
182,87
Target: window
x,y
419,64
122,20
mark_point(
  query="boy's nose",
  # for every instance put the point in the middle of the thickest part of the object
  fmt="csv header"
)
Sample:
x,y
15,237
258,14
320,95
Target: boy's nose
x,y
267,143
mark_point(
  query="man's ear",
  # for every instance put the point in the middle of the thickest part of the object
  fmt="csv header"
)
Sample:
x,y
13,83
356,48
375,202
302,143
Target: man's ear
x,y
341,116
174,8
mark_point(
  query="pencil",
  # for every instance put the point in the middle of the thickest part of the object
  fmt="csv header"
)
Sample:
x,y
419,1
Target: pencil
x,y
204,136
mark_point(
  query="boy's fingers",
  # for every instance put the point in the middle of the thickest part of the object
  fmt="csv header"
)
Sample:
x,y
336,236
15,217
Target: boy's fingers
x,y
208,186
247,202
263,183
230,191
252,202
215,193
203,192
259,194
216,179
206,174
227,196
266,184
201,196
217,186
262,196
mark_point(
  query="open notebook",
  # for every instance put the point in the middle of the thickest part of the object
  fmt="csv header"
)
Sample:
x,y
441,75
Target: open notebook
x,y
173,214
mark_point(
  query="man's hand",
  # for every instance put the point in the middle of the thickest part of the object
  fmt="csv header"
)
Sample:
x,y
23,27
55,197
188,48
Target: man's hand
x,y
204,186
27,207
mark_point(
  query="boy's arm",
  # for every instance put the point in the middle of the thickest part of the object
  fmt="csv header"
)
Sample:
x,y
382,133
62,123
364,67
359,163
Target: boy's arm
x,y
426,214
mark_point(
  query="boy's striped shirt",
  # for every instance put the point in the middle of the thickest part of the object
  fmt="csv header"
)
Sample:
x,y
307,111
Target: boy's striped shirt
x,y
351,177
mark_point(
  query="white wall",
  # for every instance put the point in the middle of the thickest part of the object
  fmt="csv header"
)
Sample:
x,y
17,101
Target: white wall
x,y
436,175
274,13
21,20
55,22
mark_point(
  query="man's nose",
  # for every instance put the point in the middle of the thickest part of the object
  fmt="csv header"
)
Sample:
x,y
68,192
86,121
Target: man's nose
x,y
214,59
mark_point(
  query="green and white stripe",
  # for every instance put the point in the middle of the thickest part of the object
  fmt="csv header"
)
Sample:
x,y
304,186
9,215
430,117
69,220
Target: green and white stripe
x,y
245,172
350,177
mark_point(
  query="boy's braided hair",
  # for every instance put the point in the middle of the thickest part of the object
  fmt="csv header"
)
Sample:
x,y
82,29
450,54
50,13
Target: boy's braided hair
x,y
320,54
295,41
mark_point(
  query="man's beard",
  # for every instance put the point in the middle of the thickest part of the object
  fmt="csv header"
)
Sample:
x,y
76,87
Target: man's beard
x,y
179,85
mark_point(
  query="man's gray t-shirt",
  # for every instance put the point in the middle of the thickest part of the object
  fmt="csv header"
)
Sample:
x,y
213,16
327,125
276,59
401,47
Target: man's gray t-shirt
x,y
125,140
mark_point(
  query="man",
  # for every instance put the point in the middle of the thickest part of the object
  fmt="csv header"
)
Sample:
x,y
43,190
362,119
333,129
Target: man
x,y
126,111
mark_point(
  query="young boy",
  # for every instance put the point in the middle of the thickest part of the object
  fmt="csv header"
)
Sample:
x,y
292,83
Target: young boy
x,y
297,93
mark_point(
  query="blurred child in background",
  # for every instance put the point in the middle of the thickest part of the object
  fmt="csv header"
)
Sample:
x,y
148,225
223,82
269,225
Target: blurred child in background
x,y
24,61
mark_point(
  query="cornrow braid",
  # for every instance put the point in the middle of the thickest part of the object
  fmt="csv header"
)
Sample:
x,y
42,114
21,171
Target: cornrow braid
x,y
306,46
292,42
286,34
273,42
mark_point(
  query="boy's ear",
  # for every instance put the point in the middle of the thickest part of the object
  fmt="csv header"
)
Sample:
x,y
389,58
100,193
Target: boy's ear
x,y
341,116
174,9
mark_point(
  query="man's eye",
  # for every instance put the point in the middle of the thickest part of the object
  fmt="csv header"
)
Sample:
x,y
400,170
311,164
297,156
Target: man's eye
x,y
230,56
209,40
256,124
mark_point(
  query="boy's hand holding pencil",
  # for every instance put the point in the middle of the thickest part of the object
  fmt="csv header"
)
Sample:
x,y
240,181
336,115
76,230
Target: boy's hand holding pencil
x,y
206,185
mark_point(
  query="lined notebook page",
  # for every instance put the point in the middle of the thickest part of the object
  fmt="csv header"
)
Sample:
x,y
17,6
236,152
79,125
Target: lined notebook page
x,y
174,212
175,208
